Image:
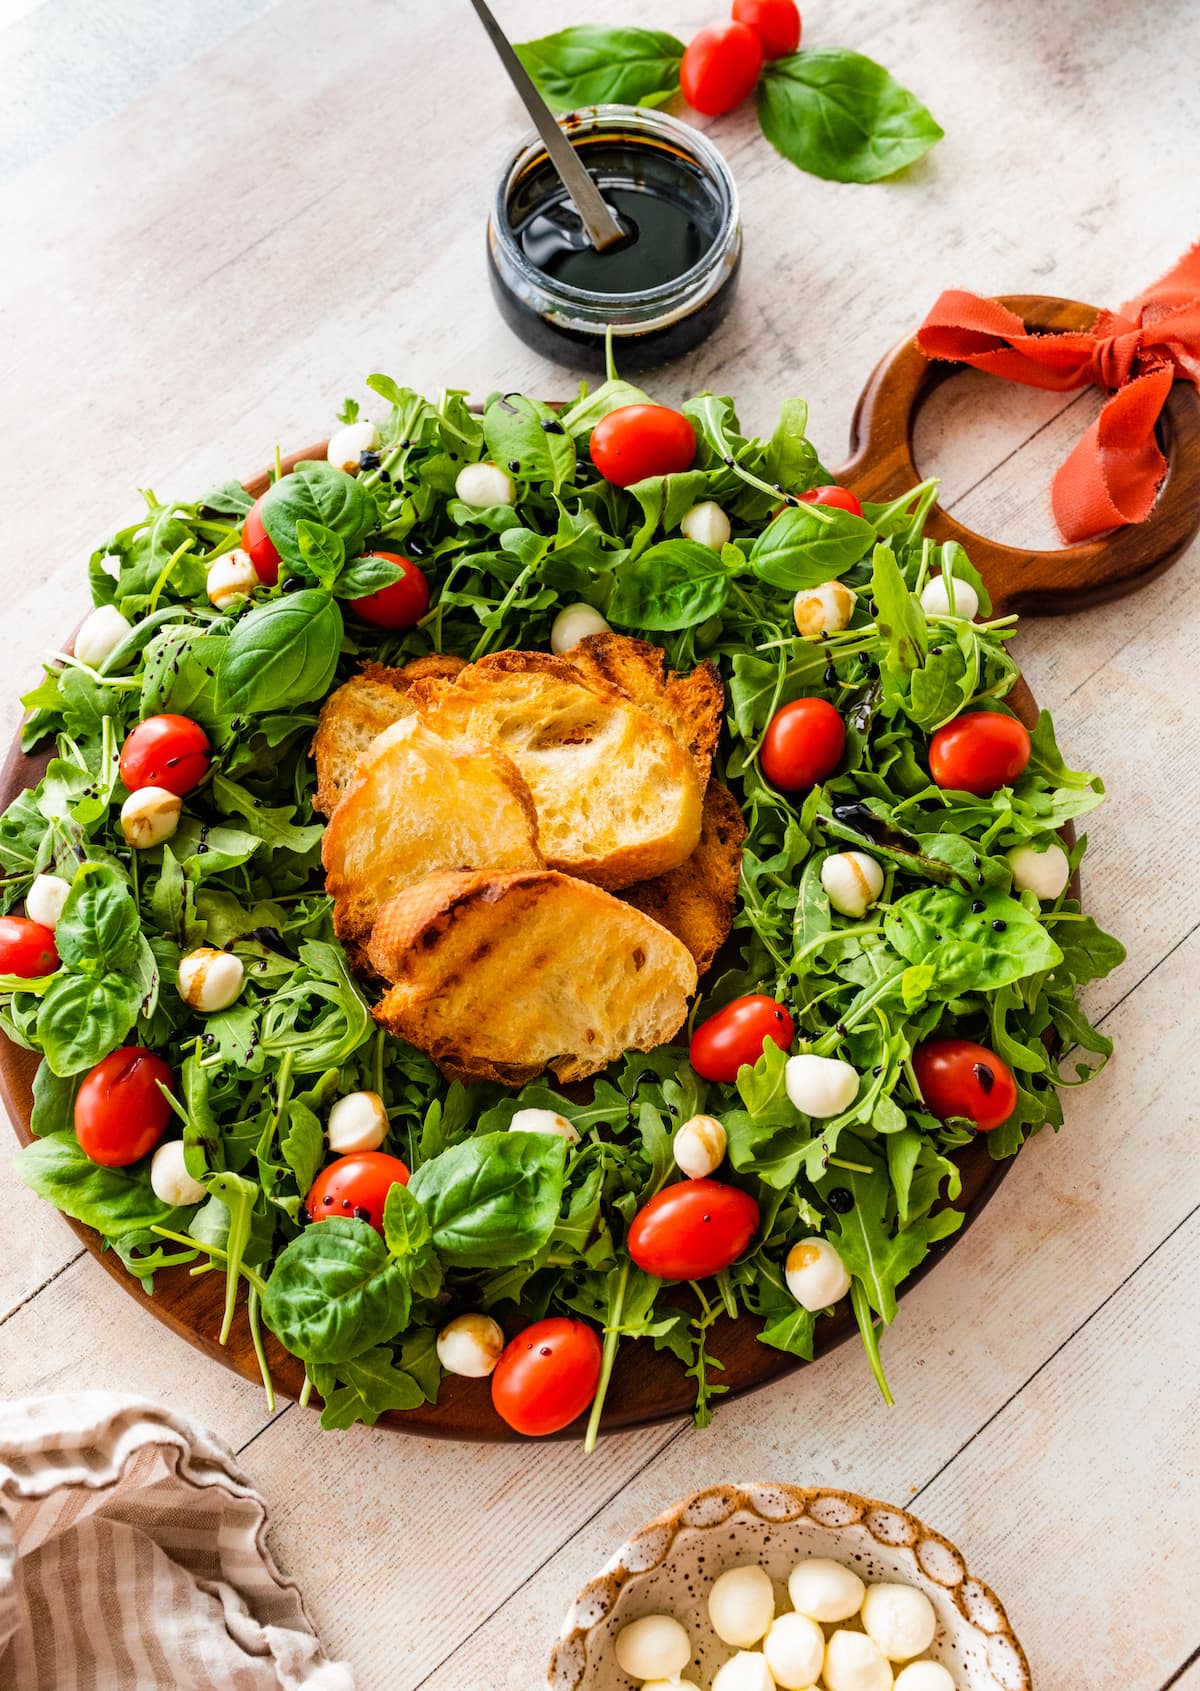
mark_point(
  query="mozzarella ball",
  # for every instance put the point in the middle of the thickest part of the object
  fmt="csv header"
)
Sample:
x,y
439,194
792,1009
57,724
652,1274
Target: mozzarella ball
x,y
483,485
747,1671
231,579
816,1277
741,1605
900,1619
169,1178
825,1590
1045,873
820,1086
699,1146
826,609
100,633
150,816
670,1685
852,880
574,624
854,1663
706,524
45,899
544,1121
470,1345
924,1676
795,1651
209,980
347,444
357,1122
935,598
654,1647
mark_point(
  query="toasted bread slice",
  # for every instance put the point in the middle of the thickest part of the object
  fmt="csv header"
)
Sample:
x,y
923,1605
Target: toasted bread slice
x,y
690,705
696,902
498,976
419,803
617,797
352,716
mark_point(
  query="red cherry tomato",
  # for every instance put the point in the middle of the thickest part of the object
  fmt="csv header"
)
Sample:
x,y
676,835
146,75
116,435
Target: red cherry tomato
x,y
402,603
636,441
720,67
836,498
735,1036
356,1186
979,753
692,1230
803,744
959,1078
547,1376
27,949
165,751
120,1113
264,554
775,22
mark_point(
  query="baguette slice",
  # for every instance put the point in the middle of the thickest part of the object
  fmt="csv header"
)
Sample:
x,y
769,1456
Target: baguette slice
x,y
690,705
696,902
498,976
420,803
617,797
352,716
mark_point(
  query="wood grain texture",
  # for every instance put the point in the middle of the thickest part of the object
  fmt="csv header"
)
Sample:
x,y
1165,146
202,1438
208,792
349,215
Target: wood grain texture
x,y
206,274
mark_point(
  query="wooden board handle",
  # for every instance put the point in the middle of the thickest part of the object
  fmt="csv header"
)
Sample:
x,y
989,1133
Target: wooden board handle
x,y
1044,583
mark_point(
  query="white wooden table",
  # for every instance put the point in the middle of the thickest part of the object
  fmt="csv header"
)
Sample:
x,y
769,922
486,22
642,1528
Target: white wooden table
x,y
205,271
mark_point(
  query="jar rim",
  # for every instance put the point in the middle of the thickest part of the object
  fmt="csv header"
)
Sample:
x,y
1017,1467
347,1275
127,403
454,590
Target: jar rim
x,y
591,120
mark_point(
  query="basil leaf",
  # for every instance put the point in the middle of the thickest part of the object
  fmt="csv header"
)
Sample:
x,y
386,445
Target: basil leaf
x,y
335,1292
115,1201
368,575
227,499
841,116
53,1101
324,496
303,1145
675,584
494,1199
98,929
590,65
966,949
515,437
322,551
279,654
804,546
84,1017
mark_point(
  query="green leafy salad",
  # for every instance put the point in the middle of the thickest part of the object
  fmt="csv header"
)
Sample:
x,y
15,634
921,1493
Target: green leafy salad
x,y
524,1226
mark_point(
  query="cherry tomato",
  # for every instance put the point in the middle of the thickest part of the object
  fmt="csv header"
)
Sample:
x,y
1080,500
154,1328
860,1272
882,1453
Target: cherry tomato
x,y
27,948
720,67
836,498
165,751
803,744
775,22
547,1376
356,1186
735,1036
979,753
120,1113
264,554
636,441
402,603
692,1230
959,1078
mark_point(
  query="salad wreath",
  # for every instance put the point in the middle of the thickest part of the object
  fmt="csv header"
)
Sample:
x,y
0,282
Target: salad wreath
x,y
903,970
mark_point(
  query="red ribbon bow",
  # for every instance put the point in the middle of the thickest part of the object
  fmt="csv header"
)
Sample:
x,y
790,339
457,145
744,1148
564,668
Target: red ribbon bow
x,y
1113,475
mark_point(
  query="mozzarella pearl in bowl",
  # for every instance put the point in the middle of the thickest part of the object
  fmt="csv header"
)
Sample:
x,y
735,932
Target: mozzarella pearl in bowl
x,y
824,1590
899,1619
854,1662
820,1086
741,1605
654,1647
357,1122
208,980
169,1178
924,1676
45,899
747,1671
795,1651
100,633
826,609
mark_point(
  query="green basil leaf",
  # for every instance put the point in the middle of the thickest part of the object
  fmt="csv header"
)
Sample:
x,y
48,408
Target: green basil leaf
x,y
303,1145
98,929
969,950
115,1201
84,1017
324,496
369,575
228,499
53,1101
492,1200
322,551
841,116
675,584
514,431
590,65
280,654
335,1292
807,544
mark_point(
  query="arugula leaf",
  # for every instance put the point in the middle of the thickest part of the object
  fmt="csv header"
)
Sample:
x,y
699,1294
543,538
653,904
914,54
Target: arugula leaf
x,y
969,949
590,65
371,1385
842,116
877,1253
529,438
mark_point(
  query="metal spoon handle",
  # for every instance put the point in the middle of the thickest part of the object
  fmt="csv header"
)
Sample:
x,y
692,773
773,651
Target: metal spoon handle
x,y
603,230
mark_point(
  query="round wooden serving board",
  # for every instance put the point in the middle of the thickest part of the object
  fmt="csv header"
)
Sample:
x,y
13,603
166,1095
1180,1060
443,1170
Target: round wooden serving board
x,y
647,1385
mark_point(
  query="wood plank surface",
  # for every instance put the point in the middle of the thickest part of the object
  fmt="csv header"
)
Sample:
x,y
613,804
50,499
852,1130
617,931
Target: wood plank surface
x,y
206,272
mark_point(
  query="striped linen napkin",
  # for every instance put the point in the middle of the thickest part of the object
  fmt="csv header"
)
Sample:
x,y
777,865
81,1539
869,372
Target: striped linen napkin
x,y
133,1557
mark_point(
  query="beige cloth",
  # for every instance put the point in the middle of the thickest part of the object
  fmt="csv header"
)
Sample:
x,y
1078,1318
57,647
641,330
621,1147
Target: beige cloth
x,y
133,1557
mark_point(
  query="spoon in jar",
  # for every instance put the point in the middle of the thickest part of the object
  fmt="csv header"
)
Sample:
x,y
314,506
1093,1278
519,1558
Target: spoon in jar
x,y
600,225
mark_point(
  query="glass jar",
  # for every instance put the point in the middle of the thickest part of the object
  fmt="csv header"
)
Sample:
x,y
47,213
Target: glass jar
x,y
664,289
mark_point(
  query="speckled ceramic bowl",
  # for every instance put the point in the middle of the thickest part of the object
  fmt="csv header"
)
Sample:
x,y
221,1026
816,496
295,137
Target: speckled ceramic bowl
x,y
669,1566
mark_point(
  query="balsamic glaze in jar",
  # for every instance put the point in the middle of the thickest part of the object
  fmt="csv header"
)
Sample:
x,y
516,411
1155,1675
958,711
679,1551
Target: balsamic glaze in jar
x,y
664,288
